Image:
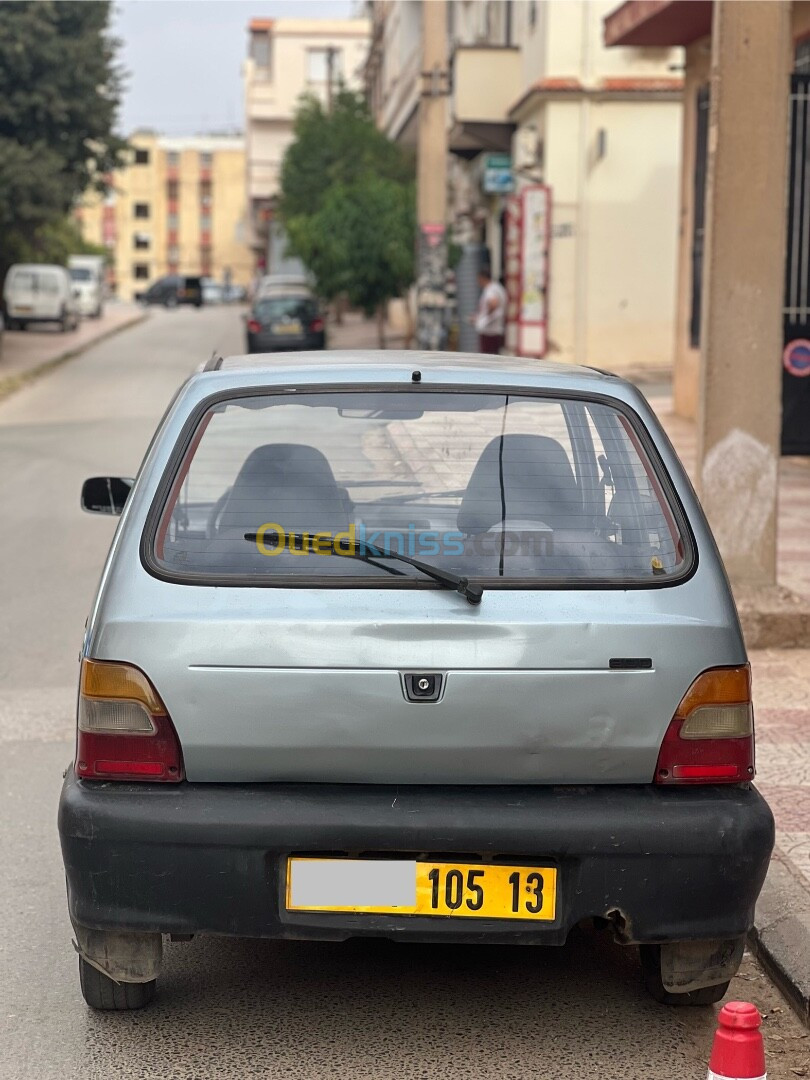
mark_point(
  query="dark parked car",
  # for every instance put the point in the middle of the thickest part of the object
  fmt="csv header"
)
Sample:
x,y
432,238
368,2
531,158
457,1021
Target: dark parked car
x,y
285,320
173,290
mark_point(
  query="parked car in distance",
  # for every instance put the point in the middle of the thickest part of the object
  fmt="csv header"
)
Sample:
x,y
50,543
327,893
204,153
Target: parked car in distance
x,y
285,318
212,291
431,647
39,293
87,275
234,294
172,290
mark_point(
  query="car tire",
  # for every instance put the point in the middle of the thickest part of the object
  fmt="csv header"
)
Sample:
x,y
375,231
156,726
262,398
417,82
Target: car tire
x,y
21,326
171,302
102,992
651,971
64,322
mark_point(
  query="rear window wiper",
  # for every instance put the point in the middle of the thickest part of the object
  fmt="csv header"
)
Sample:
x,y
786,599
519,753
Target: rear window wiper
x,y
446,578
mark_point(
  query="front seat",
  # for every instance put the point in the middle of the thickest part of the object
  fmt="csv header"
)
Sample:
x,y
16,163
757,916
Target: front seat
x,y
538,486
289,484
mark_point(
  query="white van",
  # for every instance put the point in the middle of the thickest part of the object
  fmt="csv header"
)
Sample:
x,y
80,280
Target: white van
x,y
87,274
36,292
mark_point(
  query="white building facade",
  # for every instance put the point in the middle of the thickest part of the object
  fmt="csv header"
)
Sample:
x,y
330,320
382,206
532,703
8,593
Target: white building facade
x,y
534,93
288,58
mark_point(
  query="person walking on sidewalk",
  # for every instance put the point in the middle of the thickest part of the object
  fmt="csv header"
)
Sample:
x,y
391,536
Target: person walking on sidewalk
x,y
490,319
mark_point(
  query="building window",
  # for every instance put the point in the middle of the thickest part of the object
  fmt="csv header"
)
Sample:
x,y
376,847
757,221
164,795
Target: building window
x,y
173,253
141,209
172,190
140,271
205,222
802,58
324,65
699,211
171,220
141,241
260,50
205,192
172,159
141,157
206,159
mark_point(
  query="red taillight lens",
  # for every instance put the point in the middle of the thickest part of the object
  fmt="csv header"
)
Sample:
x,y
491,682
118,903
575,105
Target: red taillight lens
x,y
710,739
254,326
124,729
316,326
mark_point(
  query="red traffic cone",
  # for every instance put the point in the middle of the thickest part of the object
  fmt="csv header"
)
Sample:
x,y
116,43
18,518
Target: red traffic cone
x,y
737,1051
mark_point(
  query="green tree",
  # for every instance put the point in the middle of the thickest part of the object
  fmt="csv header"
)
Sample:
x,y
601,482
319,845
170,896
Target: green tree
x,y
348,203
59,94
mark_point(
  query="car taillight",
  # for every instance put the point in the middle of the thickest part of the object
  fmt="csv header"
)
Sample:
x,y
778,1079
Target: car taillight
x,y
710,739
316,326
124,729
254,326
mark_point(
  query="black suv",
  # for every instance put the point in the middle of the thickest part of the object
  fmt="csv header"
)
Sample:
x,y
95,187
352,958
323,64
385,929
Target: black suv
x,y
173,290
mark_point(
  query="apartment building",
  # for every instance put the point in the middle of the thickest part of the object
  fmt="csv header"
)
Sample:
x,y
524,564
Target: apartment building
x,y
543,118
288,58
178,206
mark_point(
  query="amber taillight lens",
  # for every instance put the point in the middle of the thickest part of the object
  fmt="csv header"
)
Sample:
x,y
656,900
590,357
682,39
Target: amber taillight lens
x,y
710,739
124,729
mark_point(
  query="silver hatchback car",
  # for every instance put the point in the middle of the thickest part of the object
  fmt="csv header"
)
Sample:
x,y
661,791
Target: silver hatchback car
x,y
427,647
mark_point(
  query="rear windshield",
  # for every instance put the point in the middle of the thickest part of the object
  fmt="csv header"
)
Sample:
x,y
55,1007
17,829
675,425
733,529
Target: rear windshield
x,y
504,489
284,307
45,281
80,273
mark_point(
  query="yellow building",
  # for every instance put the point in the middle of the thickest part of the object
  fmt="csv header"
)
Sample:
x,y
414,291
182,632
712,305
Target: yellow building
x,y
178,206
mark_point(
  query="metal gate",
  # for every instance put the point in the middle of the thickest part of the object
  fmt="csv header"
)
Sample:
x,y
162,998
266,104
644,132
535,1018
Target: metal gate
x,y
796,311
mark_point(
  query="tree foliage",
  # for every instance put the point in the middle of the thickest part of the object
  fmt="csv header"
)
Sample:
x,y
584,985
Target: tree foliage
x,y
59,93
347,203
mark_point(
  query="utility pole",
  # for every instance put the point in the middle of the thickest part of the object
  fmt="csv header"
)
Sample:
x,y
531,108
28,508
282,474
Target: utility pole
x,y
432,178
744,259
330,76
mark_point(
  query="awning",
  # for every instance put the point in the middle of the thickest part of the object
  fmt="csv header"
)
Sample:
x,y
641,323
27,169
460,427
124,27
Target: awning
x,y
658,22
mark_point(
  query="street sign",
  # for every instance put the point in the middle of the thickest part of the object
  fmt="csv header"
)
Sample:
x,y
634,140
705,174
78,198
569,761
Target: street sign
x,y
498,178
535,243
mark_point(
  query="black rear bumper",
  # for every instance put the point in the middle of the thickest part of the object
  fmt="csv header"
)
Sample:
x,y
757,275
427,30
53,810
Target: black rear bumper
x,y
662,864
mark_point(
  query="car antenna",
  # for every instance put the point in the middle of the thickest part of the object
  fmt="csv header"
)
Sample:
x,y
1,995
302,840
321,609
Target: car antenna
x,y
214,362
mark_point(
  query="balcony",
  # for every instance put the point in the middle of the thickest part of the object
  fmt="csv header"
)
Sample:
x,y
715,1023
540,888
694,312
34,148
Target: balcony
x,y
485,82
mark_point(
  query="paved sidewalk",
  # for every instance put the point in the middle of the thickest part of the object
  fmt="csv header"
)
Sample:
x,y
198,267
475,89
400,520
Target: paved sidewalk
x,y
26,354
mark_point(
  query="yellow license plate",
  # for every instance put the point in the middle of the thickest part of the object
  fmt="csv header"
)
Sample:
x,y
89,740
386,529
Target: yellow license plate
x,y
407,887
286,328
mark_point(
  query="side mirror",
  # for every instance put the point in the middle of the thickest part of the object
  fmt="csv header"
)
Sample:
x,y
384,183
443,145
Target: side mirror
x,y
105,494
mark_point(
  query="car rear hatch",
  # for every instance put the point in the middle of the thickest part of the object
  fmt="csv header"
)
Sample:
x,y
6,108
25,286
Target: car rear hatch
x,y
278,663
534,688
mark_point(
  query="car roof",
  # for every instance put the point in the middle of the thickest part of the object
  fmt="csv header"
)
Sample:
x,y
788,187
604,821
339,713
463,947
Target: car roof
x,y
395,367
37,266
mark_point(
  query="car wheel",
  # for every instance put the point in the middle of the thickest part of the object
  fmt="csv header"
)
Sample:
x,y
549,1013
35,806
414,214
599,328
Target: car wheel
x,y
64,322
171,302
102,992
21,326
651,971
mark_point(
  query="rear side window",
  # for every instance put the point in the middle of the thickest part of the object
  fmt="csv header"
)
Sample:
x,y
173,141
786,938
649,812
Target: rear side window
x,y
284,307
506,489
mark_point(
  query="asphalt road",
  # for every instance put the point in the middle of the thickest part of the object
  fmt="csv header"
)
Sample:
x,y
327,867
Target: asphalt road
x,y
237,1009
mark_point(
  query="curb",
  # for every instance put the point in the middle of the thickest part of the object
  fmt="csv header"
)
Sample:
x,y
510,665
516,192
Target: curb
x,y
780,937
11,383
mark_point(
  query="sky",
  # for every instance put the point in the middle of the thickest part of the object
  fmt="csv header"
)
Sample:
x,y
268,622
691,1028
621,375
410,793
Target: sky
x,y
184,58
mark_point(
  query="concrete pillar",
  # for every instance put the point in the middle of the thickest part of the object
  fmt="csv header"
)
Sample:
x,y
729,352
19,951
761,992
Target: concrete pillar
x,y
431,177
740,407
